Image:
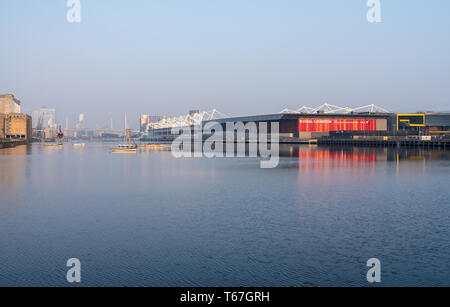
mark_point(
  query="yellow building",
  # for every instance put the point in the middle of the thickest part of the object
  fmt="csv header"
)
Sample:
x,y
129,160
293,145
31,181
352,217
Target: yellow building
x,y
2,126
16,126
13,124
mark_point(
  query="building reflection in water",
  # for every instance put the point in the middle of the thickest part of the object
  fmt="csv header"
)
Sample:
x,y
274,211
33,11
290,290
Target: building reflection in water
x,y
13,168
362,154
359,159
14,162
330,159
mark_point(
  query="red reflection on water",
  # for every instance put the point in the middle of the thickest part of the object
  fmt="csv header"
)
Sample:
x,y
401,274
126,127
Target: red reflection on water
x,y
319,158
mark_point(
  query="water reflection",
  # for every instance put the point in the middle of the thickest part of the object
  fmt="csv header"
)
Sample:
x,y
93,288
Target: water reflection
x,y
14,161
19,150
13,168
363,154
321,212
343,153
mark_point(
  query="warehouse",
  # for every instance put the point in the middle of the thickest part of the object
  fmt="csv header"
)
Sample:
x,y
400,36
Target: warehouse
x,y
437,123
424,123
306,126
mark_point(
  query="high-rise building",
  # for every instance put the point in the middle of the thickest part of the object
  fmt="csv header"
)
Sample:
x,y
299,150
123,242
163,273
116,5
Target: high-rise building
x,y
81,122
44,118
9,104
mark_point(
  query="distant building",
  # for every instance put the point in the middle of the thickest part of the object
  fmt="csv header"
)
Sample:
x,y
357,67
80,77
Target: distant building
x,y
9,104
44,118
147,120
193,112
81,122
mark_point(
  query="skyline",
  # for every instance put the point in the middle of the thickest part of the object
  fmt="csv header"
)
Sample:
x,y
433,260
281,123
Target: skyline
x,y
242,58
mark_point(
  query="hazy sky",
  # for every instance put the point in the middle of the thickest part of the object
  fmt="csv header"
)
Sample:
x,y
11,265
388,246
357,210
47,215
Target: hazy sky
x,y
242,57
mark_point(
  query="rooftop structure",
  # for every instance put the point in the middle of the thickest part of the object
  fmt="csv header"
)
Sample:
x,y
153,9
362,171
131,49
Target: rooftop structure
x,y
194,118
9,104
332,109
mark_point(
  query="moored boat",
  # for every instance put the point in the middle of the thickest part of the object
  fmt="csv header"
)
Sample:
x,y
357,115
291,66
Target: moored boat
x,y
124,148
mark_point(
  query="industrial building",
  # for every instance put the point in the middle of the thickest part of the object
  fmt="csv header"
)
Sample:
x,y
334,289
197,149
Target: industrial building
x,y
312,123
9,104
437,123
13,124
424,122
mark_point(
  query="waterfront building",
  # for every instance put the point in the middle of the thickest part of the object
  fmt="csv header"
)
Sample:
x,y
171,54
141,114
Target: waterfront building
x,y
2,126
325,121
9,104
13,124
16,126
437,122
307,126
424,122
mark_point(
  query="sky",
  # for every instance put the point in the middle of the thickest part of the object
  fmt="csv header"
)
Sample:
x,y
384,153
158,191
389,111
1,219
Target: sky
x,y
242,57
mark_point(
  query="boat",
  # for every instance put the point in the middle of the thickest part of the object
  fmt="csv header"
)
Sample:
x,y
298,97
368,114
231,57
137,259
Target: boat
x,y
124,148
79,145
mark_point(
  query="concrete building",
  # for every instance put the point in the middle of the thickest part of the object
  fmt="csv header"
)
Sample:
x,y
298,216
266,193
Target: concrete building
x,y
2,126
426,122
16,126
438,122
13,124
9,104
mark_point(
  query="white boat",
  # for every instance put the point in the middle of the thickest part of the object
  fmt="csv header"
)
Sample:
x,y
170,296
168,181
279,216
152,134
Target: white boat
x,y
79,145
124,148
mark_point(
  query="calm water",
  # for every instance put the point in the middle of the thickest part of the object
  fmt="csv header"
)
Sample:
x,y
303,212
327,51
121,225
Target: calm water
x,y
152,220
